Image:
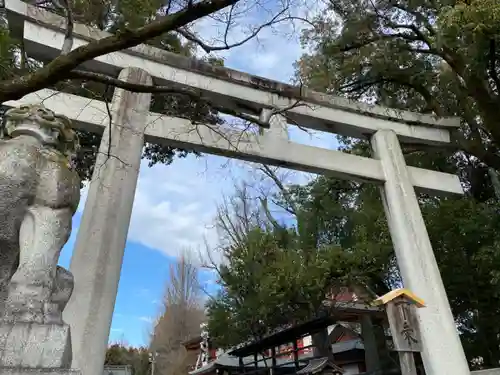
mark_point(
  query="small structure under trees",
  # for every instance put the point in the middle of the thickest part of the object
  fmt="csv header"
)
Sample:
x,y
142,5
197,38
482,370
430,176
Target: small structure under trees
x,y
293,350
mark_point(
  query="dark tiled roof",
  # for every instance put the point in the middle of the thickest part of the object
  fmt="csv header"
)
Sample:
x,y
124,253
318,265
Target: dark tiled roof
x,y
282,336
319,364
345,346
289,334
227,360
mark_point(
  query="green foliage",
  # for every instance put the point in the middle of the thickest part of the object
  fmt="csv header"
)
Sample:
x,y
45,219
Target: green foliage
x,y
464,235
470,21
266,283
275,275
429,56
114,16
7,60
138,358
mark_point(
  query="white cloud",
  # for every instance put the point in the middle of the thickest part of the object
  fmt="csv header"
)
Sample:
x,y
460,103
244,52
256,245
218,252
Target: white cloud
x,y
146,319
83,198
175,205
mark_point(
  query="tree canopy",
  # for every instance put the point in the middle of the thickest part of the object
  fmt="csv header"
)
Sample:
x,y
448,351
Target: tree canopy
x,y
431,56
278,274
106,16
138,358
437,56
440,57
420,55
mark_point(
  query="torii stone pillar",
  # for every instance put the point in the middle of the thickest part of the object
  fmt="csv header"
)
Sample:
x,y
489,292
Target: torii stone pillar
x,y
98,253
442,350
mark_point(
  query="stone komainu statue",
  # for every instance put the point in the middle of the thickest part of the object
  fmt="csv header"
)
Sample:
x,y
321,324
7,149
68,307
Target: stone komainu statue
x,y
39,193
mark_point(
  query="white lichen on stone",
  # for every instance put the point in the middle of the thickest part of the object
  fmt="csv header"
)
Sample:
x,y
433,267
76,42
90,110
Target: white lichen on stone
x,y
39,193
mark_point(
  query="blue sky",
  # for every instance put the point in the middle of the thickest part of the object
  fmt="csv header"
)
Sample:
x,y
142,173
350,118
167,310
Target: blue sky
x,y
175,205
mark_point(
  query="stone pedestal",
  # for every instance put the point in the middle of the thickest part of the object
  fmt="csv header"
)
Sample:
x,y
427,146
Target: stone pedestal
x,y
20,371
32,345
32,348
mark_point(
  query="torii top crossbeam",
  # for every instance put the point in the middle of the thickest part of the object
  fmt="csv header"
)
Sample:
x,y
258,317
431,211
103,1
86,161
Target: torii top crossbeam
x,y
43,34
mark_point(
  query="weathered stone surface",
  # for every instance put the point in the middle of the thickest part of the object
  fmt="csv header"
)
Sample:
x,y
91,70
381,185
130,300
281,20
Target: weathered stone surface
x,y
442,352
41,20
104,226
18,371
491,371
61,292
39,193
32,345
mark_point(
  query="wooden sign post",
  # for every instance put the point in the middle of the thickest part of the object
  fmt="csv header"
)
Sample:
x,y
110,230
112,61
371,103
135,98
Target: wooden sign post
x,y
400,305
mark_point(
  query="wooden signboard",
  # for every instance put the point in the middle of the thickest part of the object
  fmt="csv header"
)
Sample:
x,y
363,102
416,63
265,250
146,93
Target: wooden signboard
x,y
404,325
400,305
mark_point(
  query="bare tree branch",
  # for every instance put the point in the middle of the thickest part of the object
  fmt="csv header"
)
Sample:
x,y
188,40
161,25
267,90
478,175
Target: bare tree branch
x,y
292,208
181,317
134,87
207,48
418,17
419,36
363,43
51,73
269,216
68,36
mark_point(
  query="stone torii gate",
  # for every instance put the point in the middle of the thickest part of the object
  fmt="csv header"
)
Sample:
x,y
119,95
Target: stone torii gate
x,y
98,252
